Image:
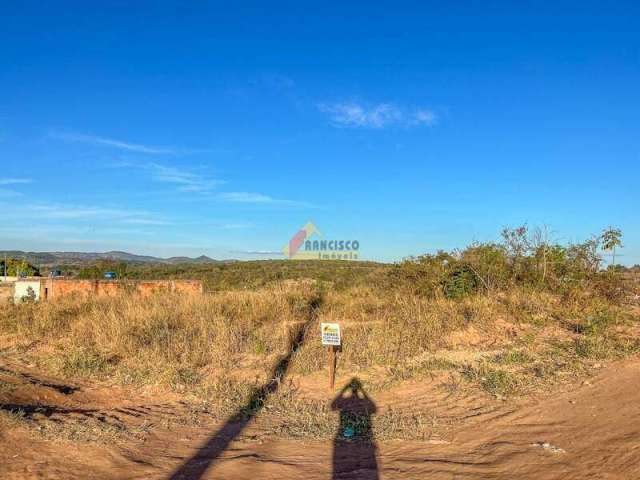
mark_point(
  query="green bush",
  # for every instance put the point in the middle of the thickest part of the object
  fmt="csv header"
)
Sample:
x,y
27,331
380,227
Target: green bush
x,y
490,263
97,271
424,275
460,282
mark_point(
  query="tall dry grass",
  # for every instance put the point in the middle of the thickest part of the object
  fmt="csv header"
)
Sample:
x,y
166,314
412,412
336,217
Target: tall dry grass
x,y
222,345
390,328
543,336
164,338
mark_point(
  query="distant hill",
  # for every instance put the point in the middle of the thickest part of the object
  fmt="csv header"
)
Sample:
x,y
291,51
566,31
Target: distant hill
x,y
74,258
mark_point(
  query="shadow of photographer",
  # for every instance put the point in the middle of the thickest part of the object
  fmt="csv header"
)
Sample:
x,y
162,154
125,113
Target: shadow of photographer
x,y
354,448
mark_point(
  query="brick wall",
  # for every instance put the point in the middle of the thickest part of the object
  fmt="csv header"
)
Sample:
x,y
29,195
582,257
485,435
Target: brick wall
x,y
58,287
188,286
148,287
52,288
6,291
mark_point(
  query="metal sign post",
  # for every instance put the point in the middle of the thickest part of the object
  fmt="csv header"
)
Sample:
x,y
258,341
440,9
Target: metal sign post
x,y
331,338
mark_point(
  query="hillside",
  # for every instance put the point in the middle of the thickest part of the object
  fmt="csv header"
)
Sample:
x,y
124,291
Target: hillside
x,y
75,258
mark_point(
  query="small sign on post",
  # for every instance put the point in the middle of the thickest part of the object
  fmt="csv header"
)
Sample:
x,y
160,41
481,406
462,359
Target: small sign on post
x,y
331,338
330,334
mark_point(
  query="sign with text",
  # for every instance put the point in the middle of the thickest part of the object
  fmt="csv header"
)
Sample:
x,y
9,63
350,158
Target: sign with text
x,y
330,334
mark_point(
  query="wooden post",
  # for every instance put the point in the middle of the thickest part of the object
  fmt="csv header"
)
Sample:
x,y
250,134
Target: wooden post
x,y
331,349
331,338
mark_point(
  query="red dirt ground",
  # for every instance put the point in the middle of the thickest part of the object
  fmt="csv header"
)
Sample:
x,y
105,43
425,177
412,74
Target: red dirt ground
x,y
588,430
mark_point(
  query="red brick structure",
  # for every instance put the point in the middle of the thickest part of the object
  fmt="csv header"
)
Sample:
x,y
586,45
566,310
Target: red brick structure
x,y
6,291
59,287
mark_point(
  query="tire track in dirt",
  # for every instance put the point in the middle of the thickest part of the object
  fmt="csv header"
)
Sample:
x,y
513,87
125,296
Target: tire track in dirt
x,y
49,405
589,430
197,465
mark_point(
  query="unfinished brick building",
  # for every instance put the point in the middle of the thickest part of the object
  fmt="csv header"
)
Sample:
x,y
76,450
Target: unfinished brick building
x,y
52,288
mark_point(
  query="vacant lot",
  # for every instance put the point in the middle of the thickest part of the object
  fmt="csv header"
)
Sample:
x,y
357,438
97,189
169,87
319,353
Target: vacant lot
x,y
473,382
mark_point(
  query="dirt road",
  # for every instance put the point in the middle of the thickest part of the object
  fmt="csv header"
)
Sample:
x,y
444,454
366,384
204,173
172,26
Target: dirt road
x,y
590,430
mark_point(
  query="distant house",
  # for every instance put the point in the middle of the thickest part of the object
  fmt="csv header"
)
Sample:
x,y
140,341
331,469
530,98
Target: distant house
x,y
26,289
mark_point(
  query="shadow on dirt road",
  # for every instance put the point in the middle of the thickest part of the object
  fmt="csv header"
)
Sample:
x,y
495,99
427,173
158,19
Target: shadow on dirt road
x,y
354,447
354,450
196,466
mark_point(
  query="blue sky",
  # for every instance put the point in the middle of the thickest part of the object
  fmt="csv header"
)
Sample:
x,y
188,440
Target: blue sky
x,y
213,128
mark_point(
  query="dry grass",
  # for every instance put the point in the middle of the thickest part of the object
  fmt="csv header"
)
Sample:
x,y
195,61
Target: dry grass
x,y
166,339
541,338
219,348
289,414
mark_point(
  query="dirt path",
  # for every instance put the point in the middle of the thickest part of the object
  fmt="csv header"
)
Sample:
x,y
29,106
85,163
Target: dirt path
x,y
589,431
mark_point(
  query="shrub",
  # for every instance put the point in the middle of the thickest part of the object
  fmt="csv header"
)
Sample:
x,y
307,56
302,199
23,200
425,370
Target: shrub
x,y
460,282
523,259
97,271
490,264
494,380
424,275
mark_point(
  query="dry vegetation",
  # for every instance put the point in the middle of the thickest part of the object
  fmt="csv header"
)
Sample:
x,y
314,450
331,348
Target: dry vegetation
x,y
217,350
165,339
508,335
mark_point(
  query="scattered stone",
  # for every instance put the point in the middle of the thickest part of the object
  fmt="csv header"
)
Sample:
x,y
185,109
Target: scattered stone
x,y
586,383
597,365
547,446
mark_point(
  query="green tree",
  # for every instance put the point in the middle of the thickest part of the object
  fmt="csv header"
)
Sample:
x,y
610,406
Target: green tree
x,y
97,270
583,258
612,238
16,267
518,245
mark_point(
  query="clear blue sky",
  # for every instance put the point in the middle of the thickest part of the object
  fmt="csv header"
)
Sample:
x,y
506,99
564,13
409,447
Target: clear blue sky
x,y
212,128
